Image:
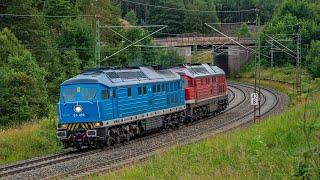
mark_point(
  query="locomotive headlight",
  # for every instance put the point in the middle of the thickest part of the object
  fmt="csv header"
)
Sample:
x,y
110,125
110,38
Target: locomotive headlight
x,y
77,109
98,124
62,126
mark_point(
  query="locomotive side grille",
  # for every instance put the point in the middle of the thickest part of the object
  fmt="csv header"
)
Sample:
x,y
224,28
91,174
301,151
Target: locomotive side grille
x,y
74,126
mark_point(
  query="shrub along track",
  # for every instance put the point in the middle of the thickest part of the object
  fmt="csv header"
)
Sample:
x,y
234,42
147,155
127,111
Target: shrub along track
x,y
78,164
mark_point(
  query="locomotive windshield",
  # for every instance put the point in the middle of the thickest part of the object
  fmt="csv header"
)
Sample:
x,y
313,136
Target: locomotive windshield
x,y
85,94
69,94
88,94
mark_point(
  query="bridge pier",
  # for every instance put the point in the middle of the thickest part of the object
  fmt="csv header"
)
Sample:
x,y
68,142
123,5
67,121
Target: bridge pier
x,y
232,60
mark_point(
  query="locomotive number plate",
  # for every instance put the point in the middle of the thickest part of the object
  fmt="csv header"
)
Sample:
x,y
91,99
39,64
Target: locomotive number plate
x,y
79,115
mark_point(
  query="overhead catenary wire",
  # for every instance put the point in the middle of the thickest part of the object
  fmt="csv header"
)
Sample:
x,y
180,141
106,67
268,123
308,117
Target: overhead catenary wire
x,y
280,44
187,10
8,5
247,48
280,50
137,45
212,50
134,43
143,26
232,23
46,16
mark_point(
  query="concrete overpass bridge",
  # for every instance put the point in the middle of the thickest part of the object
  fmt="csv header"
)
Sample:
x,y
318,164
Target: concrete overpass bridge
x,y
232,58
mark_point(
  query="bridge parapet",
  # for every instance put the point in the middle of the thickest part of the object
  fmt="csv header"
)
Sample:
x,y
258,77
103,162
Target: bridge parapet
x,y
189,41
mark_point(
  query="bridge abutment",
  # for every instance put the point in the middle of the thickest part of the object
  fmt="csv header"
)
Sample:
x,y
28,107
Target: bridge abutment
x,y
233,59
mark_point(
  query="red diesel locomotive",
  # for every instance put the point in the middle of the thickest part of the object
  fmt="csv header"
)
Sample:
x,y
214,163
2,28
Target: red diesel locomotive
x,y
205,89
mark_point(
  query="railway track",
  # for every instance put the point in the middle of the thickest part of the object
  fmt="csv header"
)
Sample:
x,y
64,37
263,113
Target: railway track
x,y
56,158
75,164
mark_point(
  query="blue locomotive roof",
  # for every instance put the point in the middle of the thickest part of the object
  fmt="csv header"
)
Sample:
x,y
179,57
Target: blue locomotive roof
x,y
123,77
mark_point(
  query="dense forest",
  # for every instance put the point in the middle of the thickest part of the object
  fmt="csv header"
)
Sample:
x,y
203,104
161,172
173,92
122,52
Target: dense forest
x,y
185,16
44,42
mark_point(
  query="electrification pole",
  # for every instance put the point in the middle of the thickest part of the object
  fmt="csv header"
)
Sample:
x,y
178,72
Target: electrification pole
x,y
257,67
272,70
97,49
298,64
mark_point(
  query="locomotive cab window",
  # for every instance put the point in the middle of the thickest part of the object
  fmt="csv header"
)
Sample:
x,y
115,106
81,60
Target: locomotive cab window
x,y
114,94
158,88
144,90
129,92
139,90
154,89
105,94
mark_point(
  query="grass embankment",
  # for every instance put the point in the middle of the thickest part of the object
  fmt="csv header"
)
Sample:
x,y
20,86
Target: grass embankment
x,y
285,75
275,148
29,140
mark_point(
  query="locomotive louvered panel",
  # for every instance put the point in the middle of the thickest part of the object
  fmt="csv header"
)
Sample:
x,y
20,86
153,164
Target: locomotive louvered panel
x,y
112,74
131,75
199,70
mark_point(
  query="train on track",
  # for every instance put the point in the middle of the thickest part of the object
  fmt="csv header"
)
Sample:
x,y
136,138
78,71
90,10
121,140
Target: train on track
x,y
105,106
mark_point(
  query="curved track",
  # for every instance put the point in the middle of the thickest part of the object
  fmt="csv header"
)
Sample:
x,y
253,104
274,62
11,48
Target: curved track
x,y
75,164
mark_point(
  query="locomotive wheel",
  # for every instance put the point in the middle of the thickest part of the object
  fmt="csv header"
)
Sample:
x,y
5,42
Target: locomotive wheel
x,y
93,144
165,125
108,141
117,139
79,147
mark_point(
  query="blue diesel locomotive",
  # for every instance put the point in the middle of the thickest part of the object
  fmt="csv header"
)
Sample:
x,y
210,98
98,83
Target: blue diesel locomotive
x,y
107,106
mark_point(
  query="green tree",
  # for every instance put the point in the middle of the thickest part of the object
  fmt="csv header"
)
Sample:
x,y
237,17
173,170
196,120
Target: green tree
x,y
313,59
131,17
168,57
135,53
78,35
32,31
35,34
174,19
71,63
23,94
244,31
195,21
61,8
293,17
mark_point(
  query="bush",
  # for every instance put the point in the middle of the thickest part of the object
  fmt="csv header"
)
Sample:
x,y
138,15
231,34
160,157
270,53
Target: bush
x,y
313,59
244,31
131,17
